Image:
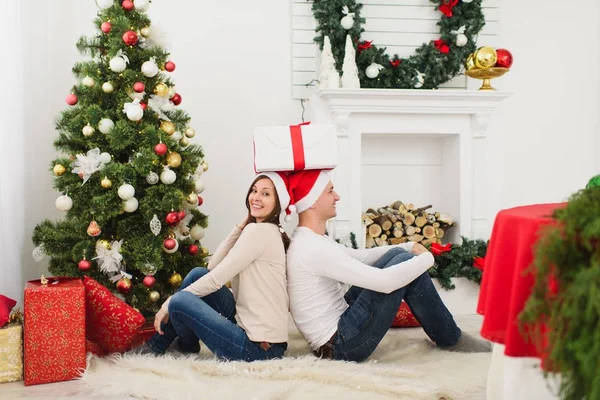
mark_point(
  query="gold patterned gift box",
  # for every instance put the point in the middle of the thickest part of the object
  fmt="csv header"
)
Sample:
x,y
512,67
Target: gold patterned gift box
x,y
11,350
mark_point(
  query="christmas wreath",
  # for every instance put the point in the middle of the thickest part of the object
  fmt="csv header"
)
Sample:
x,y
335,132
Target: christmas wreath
x,y
432,64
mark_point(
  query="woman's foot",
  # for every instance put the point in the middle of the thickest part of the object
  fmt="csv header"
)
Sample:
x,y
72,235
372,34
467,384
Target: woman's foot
x,y
469,344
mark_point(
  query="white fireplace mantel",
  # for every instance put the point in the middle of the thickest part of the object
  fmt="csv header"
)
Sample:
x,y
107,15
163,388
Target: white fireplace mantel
x,y
458,118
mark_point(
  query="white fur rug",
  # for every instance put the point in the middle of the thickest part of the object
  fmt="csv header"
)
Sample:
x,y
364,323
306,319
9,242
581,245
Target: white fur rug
x,y
405,366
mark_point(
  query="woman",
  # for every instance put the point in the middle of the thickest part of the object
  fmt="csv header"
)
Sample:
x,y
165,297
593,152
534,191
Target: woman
x,y
250,322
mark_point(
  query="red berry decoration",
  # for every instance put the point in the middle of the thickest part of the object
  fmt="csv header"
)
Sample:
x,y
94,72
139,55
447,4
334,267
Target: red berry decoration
x,y
170,66
106,27
84,265
200,201
169,244
172,218
72,99
139,87
149,281
160,149
144,106
127,5
130,38
176,99
193,249
504,58
181,215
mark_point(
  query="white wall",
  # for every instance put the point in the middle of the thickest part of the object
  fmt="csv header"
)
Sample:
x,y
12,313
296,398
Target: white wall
x,y
234,73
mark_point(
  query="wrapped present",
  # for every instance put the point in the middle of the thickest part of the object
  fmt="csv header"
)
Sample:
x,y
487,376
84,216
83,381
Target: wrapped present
x,y
404,317
11,349
295,147
54,336
95,349
144,333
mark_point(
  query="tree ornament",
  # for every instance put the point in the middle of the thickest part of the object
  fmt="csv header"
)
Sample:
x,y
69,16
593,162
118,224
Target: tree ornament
x,y
176,99
141,5
348,21
184,142
199,170
200,201
127,5
148,269
192,198
470,63
106,26
131,205
190,132
172,218
461,39
504,58
59,170
154,296
139,87
173,159
350,78
72,99
93,229
134,110
107,87
204,166
124,285
64,203
372,70
167,127
197,232
176,135
199,185
175,280
161,90
170,245
419,80
155,226
103,243
84,265
169,66
104,4
130,38
105,158
152,178
88,81
118,63
145,31
88,130
167,176
329,78
204,252
172,91
193,249
149,281
485,57
160,149
181,215
106,125
126,191
106,183
143,105
149,68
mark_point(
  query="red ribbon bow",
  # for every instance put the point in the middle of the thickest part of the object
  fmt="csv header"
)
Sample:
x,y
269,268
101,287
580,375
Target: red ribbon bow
x,y
438,249
441,46
365,45
479,263
395,63
298,146
446,8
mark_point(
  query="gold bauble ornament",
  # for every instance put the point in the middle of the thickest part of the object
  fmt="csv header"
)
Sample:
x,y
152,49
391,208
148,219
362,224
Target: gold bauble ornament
x,y
168,127
145,31
175,279
470,63
59,170
154,296
106,183
103,243
204,252
161,90
204,166
184,142
192,198
173,159
190,132
485,57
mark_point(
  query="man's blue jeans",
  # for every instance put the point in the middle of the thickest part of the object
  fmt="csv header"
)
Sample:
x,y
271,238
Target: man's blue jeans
x,y
370,315
212,320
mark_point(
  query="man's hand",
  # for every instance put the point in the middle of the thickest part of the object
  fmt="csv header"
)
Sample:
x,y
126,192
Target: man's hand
x,y
418,248
161,316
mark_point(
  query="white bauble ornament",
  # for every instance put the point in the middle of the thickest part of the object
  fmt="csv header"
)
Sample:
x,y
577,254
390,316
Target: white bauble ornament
x,y
126,191
152,178
63,203
106,125
372,70
145,31
117,64
172,91
135,112
461,40
130,205
104,4
199,186
467,1
347,22
167,176
105,158
88,81
107,87
136,95
176,136
88,130
199,170
197,232
419,80
149,69
141,5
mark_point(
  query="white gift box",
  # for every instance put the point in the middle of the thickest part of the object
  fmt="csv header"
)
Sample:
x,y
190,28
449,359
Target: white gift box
x,y
295,147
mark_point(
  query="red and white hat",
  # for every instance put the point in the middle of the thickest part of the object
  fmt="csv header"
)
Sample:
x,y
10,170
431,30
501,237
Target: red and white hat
x,y
281,182
305,188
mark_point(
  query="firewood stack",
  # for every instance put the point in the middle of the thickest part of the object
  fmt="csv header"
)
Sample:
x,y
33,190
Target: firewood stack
x,y
400,223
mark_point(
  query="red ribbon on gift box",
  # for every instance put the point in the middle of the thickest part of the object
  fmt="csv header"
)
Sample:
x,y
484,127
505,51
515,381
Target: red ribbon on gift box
x,y
298,146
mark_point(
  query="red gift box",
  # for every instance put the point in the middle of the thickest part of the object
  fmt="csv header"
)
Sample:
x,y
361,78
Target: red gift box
x,y
54,330
143,334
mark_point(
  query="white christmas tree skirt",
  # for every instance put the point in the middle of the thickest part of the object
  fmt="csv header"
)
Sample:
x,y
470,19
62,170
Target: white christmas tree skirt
x,y
405,366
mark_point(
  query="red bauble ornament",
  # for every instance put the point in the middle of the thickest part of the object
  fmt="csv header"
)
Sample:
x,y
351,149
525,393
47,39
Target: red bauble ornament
x,y
193,249
176,99
130,38
149,281
169,243
172,219
170,66
200,201
106,27
181,215
124,285
139,87
160,149
72,99
144,106
84,265
127,5
504,58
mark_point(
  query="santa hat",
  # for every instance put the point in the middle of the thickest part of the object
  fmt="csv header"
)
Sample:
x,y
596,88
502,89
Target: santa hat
x,y
305,188
281,182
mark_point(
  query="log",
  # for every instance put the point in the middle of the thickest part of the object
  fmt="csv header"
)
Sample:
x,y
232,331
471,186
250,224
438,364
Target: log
x,y
398,240
429,231
367,220
383,237
388,233
436,224
409,219
396,205
436,214
374,230
415,238
399,224
409,230
398,232
384,222
445,219
402,210
369,242
410,207
420,221
380,242
430,218
426,242
371,211
439,233
421,209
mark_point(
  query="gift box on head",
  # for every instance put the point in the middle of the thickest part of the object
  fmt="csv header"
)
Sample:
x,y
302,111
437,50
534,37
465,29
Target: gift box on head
x,y
295,147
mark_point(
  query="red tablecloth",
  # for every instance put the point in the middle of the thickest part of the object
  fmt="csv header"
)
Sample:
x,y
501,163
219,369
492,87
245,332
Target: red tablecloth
x,y
505,287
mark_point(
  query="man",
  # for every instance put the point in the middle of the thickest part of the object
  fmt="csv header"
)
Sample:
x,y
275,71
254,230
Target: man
x,y
348,325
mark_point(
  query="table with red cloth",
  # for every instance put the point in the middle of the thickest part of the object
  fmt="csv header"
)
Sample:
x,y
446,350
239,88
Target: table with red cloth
x,y
506,286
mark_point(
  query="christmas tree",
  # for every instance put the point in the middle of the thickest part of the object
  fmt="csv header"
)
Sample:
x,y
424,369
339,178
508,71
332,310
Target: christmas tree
x,y
130,180
350,71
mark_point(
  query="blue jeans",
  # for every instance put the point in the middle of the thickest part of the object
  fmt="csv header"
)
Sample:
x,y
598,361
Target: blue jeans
x,y
370,315
210,319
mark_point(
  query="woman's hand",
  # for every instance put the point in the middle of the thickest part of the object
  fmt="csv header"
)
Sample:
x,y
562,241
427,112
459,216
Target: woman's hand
x,y
418,248
243,224
161,316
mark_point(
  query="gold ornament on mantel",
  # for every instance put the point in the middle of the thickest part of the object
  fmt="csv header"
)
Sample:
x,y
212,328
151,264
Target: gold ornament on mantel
x,y
168,127
470,63
175,280
173,159
481,65
485,57
161,90
486,74
59,170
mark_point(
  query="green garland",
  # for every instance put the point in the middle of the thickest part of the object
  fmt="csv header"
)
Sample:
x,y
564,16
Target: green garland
x,y
459,262
566,295
436,66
